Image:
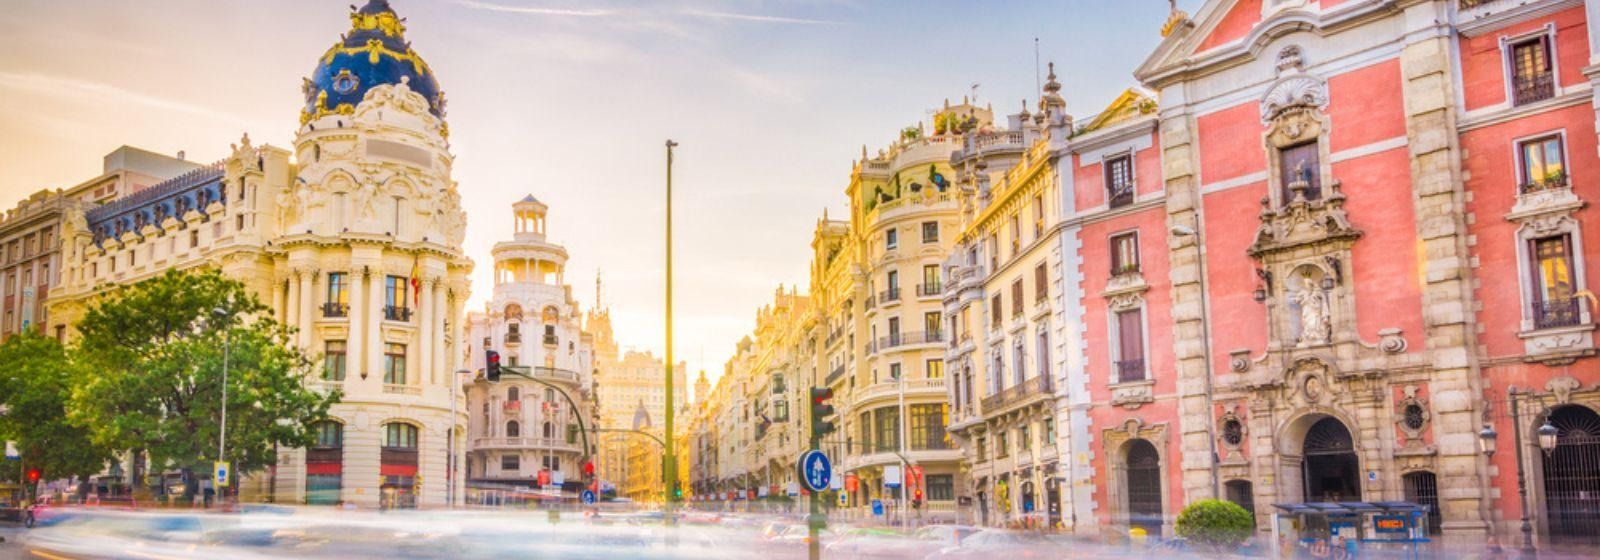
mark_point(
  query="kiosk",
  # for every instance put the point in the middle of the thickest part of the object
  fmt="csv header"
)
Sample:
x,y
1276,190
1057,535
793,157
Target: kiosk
x,y
1349,530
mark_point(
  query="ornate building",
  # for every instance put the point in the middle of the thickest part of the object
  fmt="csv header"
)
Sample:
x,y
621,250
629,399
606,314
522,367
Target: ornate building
x,y
355,243
524,429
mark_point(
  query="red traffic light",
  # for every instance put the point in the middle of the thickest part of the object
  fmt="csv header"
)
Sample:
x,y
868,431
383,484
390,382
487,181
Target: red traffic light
x,y
821,395
33,475
588,468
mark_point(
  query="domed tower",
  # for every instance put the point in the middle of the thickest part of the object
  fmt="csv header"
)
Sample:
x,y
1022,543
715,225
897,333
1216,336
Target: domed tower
x,y
531,417
367,244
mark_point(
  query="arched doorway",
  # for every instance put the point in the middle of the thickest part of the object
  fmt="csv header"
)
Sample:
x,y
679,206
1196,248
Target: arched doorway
x,y
1332,470
1144,486
1572,477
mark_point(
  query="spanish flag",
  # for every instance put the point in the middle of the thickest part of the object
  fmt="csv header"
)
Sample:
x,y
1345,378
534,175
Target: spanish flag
x,y
416,281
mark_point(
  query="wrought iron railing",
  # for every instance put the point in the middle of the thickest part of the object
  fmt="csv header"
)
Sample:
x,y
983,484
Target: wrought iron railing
x,y
889,295
1532,89
335,309
1557,313
927,290
1130,370
396,313
513,338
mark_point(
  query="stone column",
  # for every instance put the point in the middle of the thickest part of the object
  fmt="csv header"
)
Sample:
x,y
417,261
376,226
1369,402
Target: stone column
x,y
279,300
442,361
308,308
1188,296
1440,210
374,336
355,362
425,335
291,309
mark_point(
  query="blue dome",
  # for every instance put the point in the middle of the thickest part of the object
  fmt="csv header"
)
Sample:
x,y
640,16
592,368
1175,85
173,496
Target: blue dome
x,y
374,52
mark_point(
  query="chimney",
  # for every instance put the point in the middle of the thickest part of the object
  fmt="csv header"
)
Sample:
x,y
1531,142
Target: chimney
x,y
180,155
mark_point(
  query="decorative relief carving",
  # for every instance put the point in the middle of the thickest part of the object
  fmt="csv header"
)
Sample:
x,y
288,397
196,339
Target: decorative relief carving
x,y
1296,91
1563,387
1413,415
1302,222
1133,394
1239,360
1391,342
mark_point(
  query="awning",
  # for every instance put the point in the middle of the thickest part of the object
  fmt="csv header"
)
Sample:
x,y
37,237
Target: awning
x,y
1349,508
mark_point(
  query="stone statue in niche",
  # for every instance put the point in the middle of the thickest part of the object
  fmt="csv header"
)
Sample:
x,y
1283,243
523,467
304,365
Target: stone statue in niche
x,y
1314,320
366,204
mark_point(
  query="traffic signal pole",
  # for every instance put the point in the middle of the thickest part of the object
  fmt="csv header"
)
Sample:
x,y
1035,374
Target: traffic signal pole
x,y
820,428
669,470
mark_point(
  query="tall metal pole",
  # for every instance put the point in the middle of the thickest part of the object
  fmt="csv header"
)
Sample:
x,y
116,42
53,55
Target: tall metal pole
x,y
905,466
1528,550
669,471
222,434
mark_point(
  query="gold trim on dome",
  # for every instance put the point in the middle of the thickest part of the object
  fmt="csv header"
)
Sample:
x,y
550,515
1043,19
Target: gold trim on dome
x,y
375,51
387,22
323,111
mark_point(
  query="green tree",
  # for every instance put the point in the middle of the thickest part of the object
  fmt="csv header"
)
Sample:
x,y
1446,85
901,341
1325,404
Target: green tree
x,y
35,386
1216,524
153,358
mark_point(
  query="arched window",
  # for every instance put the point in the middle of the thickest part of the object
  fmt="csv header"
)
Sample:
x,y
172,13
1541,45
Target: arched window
x,y
551,315
400,436
513,394
513,312
513,429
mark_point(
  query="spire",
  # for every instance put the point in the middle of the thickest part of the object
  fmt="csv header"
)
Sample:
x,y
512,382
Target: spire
x,y
598,303
1051,85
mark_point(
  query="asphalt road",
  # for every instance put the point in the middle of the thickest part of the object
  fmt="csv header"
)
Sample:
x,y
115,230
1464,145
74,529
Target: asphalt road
x,y
9,549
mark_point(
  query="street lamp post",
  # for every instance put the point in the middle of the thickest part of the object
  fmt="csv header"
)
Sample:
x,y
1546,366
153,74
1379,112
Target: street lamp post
x,y
222,434
1548,437
669,470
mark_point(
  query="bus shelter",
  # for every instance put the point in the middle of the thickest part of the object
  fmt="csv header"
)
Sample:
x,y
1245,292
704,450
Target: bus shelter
x,y
1349,530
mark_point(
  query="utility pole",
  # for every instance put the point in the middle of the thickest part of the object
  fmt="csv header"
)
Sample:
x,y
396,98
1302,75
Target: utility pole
x,y
222,434
669,470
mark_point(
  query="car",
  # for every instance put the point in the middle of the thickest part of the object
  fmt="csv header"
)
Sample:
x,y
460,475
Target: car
x,y
1000,543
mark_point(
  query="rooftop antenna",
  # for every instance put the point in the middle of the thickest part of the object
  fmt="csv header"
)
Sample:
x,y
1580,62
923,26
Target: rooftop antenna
x,y
975,93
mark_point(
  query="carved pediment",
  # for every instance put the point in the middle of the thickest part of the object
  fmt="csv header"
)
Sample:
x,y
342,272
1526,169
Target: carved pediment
x,y
1293,91
1303,222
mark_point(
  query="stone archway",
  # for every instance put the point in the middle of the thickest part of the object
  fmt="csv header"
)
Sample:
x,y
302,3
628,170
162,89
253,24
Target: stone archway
x,y
1143,480
1332,469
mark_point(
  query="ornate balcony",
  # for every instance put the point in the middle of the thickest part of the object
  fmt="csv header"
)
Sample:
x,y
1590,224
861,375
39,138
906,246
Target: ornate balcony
x,y
335,310
513,338
1029,390
1533,89
1130,370
396,313
930,290
1555,314
890,295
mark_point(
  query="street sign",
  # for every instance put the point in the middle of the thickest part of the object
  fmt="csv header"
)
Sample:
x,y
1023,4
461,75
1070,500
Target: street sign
x,y
11,452
815,470
844,498
891,476
877,507
221,469
587,496
558,478
836,482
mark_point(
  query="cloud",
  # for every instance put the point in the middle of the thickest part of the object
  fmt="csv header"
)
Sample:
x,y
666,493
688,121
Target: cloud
x,y
107,94
530,10
760,18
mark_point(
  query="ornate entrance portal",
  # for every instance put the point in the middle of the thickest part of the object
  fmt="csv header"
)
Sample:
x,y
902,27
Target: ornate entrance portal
x,y
1572,477
1144,486
1332,470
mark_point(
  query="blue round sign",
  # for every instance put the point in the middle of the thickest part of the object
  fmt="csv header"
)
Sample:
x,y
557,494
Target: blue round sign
x,y
815,470
587,496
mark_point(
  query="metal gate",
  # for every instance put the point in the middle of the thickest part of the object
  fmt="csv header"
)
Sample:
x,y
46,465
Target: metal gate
x,y
1422,488
1572,477
1144,487
1332,470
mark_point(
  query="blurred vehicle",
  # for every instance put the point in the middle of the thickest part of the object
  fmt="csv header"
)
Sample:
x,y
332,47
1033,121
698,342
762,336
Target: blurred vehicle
x,y
996,543
884,544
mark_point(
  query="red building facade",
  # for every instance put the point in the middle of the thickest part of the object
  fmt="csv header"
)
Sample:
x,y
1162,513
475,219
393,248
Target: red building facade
x,y
1372,227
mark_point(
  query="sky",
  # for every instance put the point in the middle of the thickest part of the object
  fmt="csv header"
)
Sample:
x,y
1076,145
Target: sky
x,y
572,101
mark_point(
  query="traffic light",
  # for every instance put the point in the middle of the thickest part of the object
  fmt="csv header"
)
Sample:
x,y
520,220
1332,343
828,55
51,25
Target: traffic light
x,y
916,498
491,365
33,476
820,411
588,469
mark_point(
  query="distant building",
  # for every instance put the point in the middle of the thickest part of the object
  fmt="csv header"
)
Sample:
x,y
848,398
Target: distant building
x,y
524,429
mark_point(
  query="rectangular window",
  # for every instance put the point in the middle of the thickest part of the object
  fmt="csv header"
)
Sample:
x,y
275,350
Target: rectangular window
x,y
394,364
1130,345
1000,447
394,291
930,281
194,238
1016,298
1049,430
927,426
1016,237
333,361
1041,283
510,463
1300,169
995,311
1554,290
1119,181
1542,165
930,325
1024,438
1038,216
941,487
888,423
1532,76
891,238
1019,362
1043,353
1125,253
894,371
930,232
935,369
